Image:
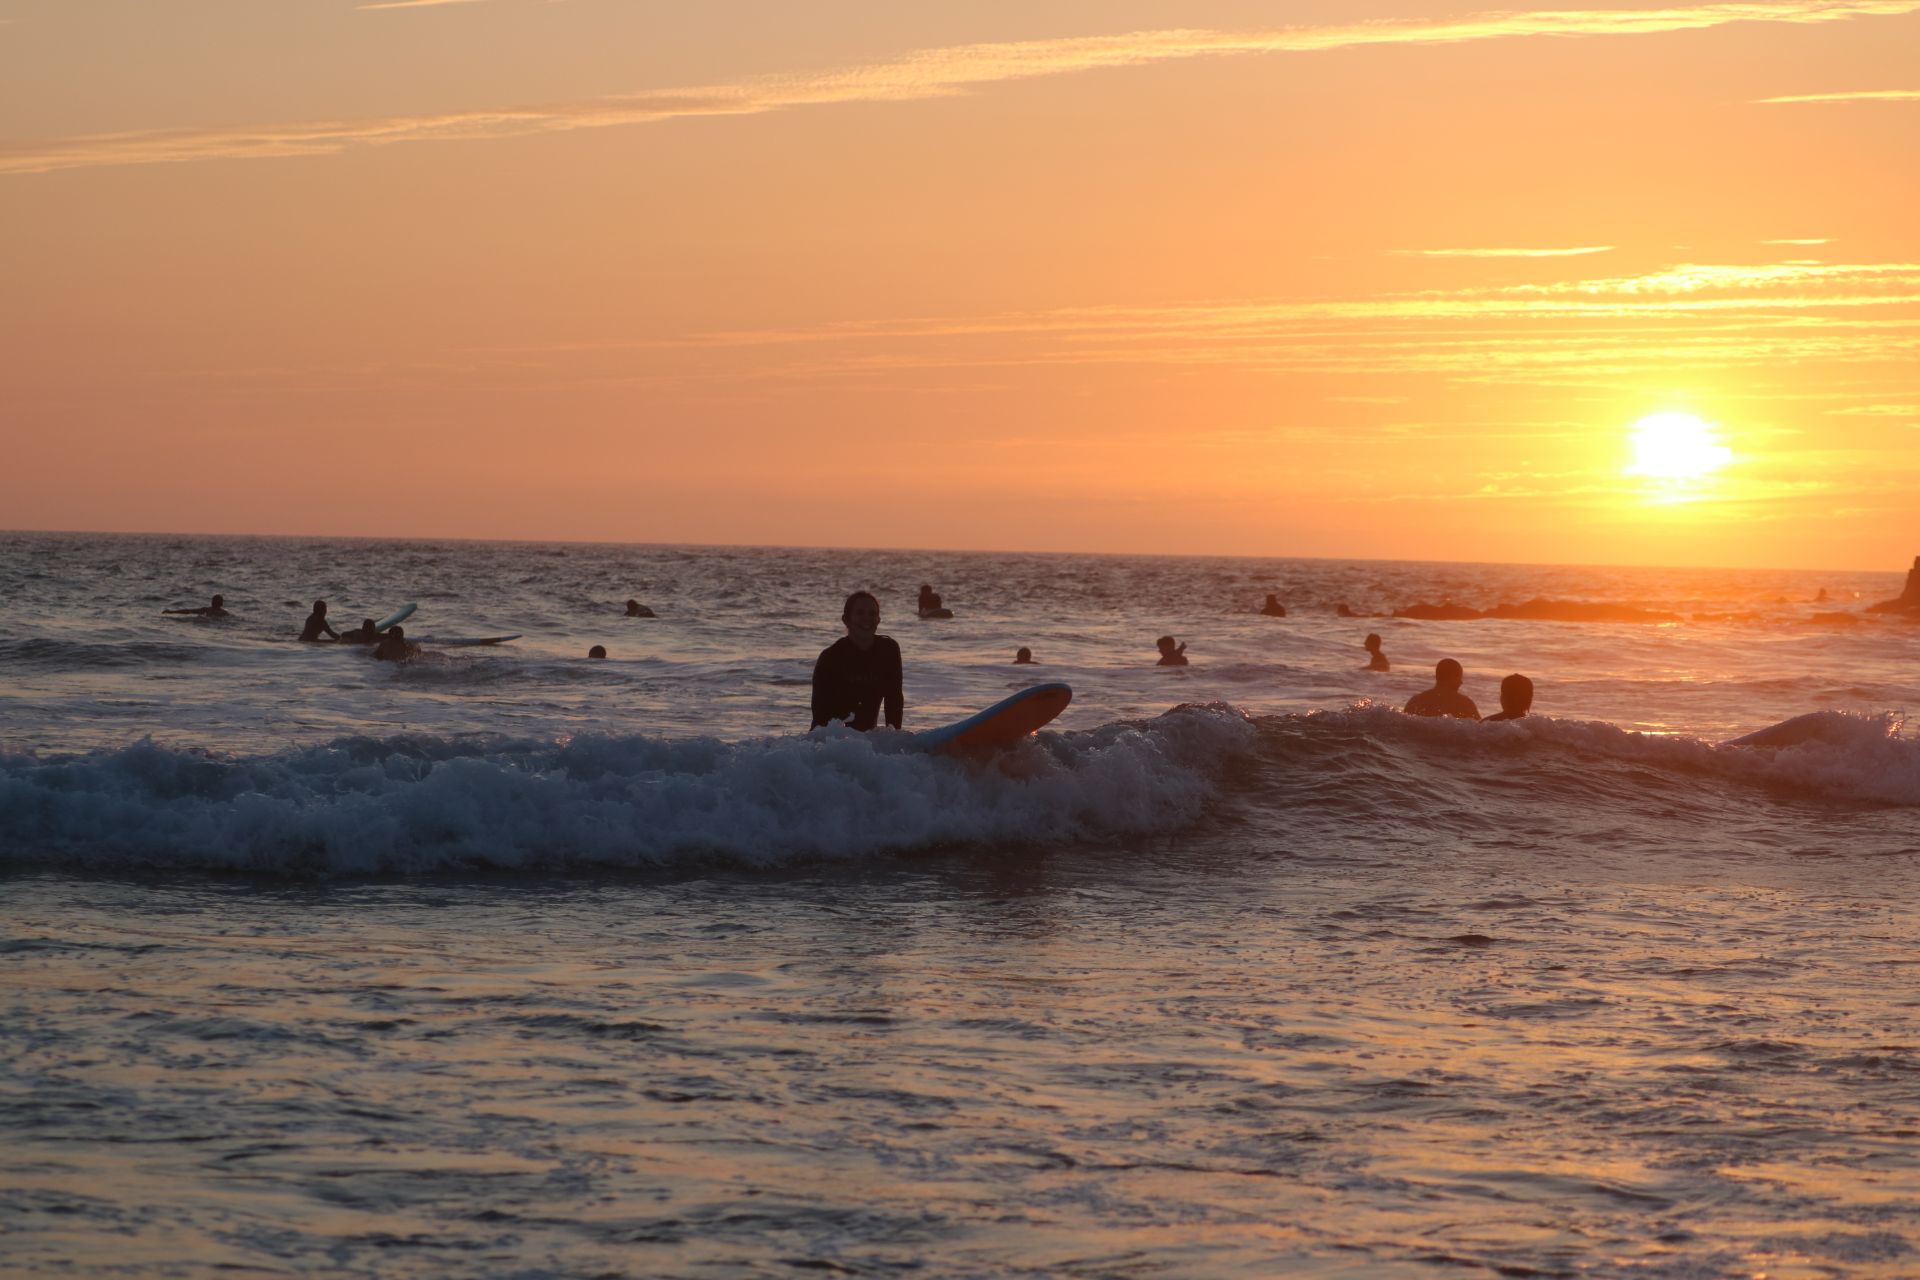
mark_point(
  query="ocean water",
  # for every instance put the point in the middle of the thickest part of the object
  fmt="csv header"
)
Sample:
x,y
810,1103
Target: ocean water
x,y
503,962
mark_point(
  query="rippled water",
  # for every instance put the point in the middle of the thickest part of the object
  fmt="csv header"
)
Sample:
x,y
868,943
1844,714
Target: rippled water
x,y
542,967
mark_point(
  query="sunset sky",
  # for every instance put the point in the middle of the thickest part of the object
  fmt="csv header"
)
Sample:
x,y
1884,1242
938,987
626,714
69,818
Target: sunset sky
x,y
1357,278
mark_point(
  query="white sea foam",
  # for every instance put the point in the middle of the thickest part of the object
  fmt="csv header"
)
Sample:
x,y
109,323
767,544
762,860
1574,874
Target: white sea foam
x,y
421,804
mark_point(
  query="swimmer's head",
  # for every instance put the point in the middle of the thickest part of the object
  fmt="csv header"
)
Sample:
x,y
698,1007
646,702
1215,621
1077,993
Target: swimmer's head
x,y
319,606
219,601
1373,640
366,625
1166,643
598,651
1023,654
397,632
1447,674
1516,695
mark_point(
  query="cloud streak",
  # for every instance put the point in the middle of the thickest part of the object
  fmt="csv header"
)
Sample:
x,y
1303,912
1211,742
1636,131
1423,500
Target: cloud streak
x,y
918,76
1504,253
1861,95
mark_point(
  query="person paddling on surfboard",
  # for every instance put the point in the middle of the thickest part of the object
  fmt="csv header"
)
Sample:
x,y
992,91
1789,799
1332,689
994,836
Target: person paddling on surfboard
x,y
218,609
859,673
1445,698
394,646
1516,698
316,623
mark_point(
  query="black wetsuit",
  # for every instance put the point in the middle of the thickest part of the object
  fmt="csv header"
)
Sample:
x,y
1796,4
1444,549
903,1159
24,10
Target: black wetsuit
x,y
316,623
848,681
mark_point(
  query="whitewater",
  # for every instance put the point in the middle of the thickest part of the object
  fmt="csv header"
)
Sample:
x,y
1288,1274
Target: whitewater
x,y
504,961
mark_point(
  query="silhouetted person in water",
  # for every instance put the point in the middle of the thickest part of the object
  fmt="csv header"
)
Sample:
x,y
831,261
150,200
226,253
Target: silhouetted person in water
x,y
362,634
637,610
859,673
1378,660
1516,698
1445,698
1344,610
394,646
218,609
1023,657
598,651
1172,653
1273,608
317,622
930,604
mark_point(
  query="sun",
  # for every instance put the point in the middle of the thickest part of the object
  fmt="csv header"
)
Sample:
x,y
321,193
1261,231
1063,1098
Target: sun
x,y
1676,446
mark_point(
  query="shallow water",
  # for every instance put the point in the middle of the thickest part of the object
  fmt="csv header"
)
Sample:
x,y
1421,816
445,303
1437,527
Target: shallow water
x,y
1266,985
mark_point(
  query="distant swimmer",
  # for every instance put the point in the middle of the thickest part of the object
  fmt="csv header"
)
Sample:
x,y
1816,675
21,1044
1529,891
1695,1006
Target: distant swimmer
x,y
1378,662
1023,657
930,604
218,609
1516,698
859,674
637,610
1344,610
362,634
317,622
598,651
1273,608
1172,653
1445,698
394,646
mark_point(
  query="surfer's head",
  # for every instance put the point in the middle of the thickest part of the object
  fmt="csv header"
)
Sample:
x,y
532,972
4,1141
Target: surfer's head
x,y
598,651
1447,674
1373,642
1023,654
320,606
1516,695
861,613
366,625
219,602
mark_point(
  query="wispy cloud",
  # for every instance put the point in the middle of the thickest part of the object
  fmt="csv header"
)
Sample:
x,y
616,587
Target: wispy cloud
x,y
1822,241
925,74
1504,253
414,4
1862,95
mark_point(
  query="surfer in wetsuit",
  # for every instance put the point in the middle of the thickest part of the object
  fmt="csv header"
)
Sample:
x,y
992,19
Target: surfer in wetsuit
x,y
1173,653
362,634
1445,698
1378,662
1273,608
394,646
218,609
859,673
1516,698
317,622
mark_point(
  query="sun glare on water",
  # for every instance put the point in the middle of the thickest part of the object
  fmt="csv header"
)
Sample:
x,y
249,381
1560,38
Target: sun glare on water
x,y
1676,446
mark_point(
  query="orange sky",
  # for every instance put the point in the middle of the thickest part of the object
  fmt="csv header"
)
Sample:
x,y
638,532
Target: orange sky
x,y
1322,277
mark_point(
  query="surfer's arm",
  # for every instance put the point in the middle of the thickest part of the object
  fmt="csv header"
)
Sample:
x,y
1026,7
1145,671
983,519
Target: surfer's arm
x,y
822,696
895,701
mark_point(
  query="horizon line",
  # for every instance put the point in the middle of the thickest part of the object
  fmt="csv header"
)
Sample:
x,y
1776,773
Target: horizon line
x,y
899,550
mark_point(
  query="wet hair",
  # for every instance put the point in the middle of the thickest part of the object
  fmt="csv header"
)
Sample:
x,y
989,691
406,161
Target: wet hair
x,y
1516,693
1373,640
598,651
846,610
1447,671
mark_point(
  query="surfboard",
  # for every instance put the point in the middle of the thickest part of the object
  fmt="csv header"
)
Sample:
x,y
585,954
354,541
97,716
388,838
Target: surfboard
x,y
395,618
463,642
1814,726
1003,723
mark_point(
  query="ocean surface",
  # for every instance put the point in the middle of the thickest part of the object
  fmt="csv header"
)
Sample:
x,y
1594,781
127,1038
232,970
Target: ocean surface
x,y
503,962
